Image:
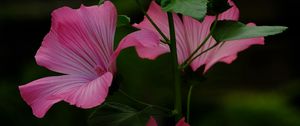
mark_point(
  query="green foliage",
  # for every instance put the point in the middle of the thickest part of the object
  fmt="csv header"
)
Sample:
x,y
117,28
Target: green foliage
x,y
100,2
117,114
164,3
233,30
193,8
123,20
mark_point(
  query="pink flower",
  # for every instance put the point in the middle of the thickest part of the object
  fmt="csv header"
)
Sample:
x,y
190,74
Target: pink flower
x,y
152,122
190,33
80,46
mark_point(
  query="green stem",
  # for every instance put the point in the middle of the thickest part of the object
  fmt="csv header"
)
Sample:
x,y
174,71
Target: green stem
x,y
186,62
166,40
176,74
190,61
188,104
157,28
143,103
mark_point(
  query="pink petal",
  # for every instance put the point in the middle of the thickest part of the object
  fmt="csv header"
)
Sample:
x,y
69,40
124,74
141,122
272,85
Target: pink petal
x,y
146,42
159,17
182,122
231,14
80,40
226,53
229,51
74,89
151,122
191,33
161,20
196,33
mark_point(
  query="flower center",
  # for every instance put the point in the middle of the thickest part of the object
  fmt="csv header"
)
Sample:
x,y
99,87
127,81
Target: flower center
x,y
99,71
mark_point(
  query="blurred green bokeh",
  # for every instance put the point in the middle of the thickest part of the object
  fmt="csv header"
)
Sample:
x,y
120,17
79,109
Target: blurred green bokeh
x,y
260,88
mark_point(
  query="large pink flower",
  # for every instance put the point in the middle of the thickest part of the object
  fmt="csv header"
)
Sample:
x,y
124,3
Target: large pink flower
x,y
190,33
152,122
80,46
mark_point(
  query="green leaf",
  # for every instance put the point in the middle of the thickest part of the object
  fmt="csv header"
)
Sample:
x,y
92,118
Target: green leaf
x,y
117,114
193,8
100,2
114,114
233,30
123,20
164,3
215,7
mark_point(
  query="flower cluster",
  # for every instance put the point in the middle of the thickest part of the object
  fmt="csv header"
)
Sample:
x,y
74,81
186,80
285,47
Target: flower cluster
x,y
80,45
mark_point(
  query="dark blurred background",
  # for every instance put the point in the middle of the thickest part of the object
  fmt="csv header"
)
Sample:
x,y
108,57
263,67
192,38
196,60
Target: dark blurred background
x,y
260,88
